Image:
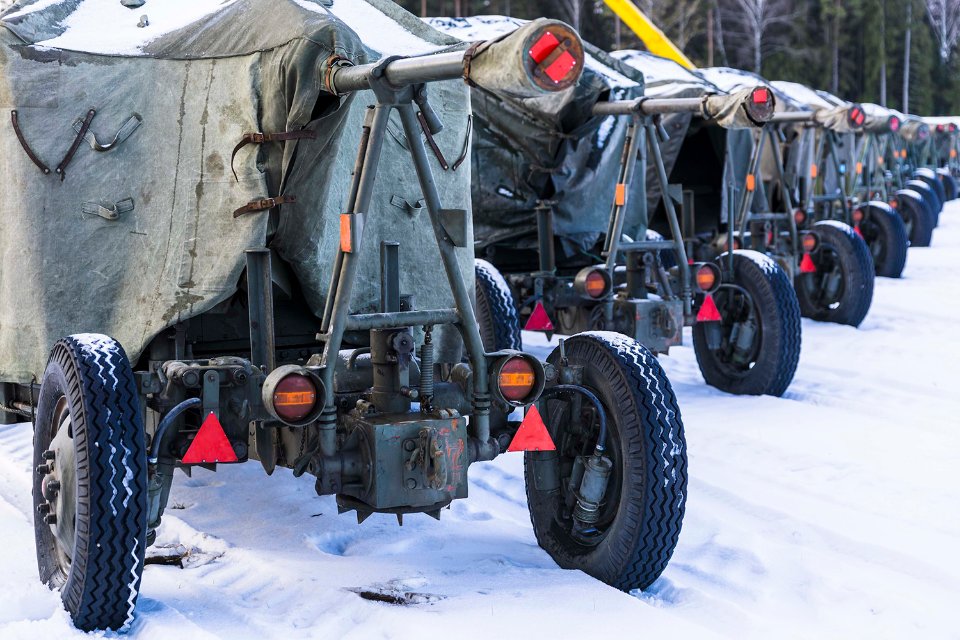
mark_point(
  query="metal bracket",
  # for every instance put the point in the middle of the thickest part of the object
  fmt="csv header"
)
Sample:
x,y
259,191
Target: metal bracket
x,y
454,223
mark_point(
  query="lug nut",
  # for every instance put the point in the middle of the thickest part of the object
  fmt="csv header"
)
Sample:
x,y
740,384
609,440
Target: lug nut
x,y
50,489
50,518
43,469
43,508
48,455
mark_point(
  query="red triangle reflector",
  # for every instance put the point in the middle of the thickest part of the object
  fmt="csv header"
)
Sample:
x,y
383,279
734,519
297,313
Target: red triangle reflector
x,y
708,310
806,264
539,320
532,434
857,229
210,444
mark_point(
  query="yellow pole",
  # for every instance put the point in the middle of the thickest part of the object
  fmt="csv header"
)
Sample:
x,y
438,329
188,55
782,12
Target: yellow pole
x,y
654,39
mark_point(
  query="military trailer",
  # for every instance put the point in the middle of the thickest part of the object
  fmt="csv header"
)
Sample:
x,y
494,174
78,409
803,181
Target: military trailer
x,y
945,149
828,164
221,282
562,219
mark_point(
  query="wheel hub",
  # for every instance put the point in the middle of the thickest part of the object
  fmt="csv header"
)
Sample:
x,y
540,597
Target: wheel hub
x,y
59,488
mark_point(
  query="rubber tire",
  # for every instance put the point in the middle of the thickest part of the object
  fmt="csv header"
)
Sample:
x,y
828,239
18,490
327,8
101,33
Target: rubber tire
x,y
643,416
856,265
950,187
910,205
779,313
930,177
93,373
496,312
929,198
892,234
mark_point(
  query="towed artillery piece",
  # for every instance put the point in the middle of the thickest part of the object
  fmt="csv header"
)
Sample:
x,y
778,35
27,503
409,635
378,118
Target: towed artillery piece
x,y
309,329
827,265
560,191
827,164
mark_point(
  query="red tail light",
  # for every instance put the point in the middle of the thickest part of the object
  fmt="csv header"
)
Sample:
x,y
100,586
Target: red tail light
x,y
799,216
809,241
592,282
293,395
894,123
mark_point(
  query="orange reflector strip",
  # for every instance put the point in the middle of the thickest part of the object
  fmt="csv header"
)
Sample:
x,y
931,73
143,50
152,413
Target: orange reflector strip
x,y
346,233
621,197
532,434
751,182
953,153
813,171
859,168
595,284
294,398
879,159
705,278
517,379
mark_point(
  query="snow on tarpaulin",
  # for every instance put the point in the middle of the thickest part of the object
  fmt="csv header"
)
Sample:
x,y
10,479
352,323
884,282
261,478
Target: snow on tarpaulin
x,y
144,232
546,149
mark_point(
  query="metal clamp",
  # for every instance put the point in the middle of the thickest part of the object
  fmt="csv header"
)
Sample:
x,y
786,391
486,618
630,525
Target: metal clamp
x,y
131,125
108,212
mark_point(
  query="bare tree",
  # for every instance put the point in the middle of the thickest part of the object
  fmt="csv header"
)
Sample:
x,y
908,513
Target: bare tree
x,y
760,26
945,17
573,10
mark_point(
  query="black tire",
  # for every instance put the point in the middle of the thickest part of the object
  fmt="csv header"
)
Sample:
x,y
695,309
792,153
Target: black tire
x,y
950,187
916,217
930,177
771,306
496,312
89,411
929,198
642,512
841,289
886,235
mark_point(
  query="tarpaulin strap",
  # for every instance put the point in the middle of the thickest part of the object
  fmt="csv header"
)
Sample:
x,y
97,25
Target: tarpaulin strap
x,y
108,212
26,147
536,168
412,209
263,204
260,138
468,59
431,142
466,144
62,167
128,128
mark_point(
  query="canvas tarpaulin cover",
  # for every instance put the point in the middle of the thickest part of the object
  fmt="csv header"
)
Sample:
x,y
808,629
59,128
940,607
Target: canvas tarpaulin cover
x,y
547,148
667,79
140,235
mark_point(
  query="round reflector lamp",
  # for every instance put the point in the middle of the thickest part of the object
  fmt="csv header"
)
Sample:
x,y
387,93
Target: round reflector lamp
x,y
293,395
592,282
517,379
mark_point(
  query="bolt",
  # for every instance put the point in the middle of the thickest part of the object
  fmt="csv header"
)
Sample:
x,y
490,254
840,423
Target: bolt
x,y
43,508
411,483
50,518
50,489
408,445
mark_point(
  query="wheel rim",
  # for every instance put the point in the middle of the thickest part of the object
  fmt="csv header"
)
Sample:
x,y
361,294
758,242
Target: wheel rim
x,y
59,487
829,275
575,435
738,313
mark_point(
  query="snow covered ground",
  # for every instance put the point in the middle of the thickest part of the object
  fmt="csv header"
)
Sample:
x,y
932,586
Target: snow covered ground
x,y
831,512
